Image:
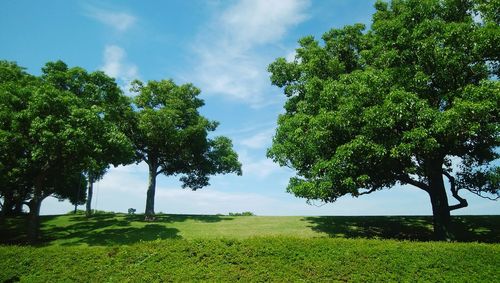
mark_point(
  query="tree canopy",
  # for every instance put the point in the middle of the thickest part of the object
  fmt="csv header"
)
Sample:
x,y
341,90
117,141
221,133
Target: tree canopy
x,y
54,129
172,137
412,100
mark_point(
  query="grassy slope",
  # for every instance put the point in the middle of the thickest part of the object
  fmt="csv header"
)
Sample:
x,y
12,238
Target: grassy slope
x,y
223,248
256,259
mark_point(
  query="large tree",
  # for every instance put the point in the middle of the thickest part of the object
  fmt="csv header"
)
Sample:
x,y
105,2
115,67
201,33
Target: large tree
x,y
14,91
51,135
413,100
171,137
100,93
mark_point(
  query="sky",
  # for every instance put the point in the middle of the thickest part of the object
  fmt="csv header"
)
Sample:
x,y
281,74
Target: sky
x,y
222,47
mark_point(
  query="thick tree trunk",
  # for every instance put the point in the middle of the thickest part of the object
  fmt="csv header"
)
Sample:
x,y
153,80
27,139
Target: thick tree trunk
x,y
88,207
18,207
34,217
8,204
440,207
150,197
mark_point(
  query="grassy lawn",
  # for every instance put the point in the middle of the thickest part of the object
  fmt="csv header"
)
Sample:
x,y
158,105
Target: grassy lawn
x,y
118,229
117,247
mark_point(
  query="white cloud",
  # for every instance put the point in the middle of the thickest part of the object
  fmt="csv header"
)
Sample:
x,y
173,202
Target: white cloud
x,y
253,22
116,66
229,63
120,21
208,200
259,140
258,168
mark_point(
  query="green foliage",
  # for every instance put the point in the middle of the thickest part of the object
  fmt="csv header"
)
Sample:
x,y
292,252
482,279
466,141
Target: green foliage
x,y
245,213
171,136
255,259
409,101
59,132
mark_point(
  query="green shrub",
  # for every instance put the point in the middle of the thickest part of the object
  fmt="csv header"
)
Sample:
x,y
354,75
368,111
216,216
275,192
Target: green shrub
x,y
255,259
245,213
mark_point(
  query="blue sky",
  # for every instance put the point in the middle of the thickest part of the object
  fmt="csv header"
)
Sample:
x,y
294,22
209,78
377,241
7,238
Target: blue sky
x,y
223,47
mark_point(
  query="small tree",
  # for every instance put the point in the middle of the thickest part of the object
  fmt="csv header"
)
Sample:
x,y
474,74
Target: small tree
x,y
171,137
410,101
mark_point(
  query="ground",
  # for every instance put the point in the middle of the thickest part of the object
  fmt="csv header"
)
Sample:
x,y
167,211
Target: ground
x,y
118,248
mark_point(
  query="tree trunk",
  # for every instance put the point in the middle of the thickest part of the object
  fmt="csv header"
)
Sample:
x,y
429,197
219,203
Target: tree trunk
x,y
88,207
8,203
34,217
2,214
18,207
150,197
440,207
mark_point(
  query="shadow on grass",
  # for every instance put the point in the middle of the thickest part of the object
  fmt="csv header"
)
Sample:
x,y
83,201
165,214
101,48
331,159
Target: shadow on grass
x,y
107,229
124,236
13,230
172,218
100,229
419,228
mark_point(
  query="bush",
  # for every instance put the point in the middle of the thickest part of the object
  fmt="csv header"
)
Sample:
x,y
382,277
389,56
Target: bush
x,y
245,213
257,259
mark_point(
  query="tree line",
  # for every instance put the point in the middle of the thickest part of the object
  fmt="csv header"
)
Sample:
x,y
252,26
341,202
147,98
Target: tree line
x,y
62,130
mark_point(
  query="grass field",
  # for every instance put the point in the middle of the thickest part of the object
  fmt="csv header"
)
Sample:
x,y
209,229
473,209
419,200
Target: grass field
x,y
117,247
118,229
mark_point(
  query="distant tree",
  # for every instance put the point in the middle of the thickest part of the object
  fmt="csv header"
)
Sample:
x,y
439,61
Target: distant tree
x,y
51,135
171,137
413,100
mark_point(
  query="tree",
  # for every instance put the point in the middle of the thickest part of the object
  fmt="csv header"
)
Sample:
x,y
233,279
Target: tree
x,y
414,100
171,137
100,93
14,82
51,136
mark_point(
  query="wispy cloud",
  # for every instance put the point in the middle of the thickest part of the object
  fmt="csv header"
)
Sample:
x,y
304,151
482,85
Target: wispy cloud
x,y
116,66
229,62
253,22
258,140
259,168
120,21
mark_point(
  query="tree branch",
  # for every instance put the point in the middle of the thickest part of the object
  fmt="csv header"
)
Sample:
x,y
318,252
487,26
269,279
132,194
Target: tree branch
x,y
454,192
45,195
160,172
406,179
368,192
485,197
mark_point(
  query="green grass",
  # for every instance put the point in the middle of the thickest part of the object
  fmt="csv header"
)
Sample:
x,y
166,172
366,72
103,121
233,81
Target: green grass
x,y
118,229
116,248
